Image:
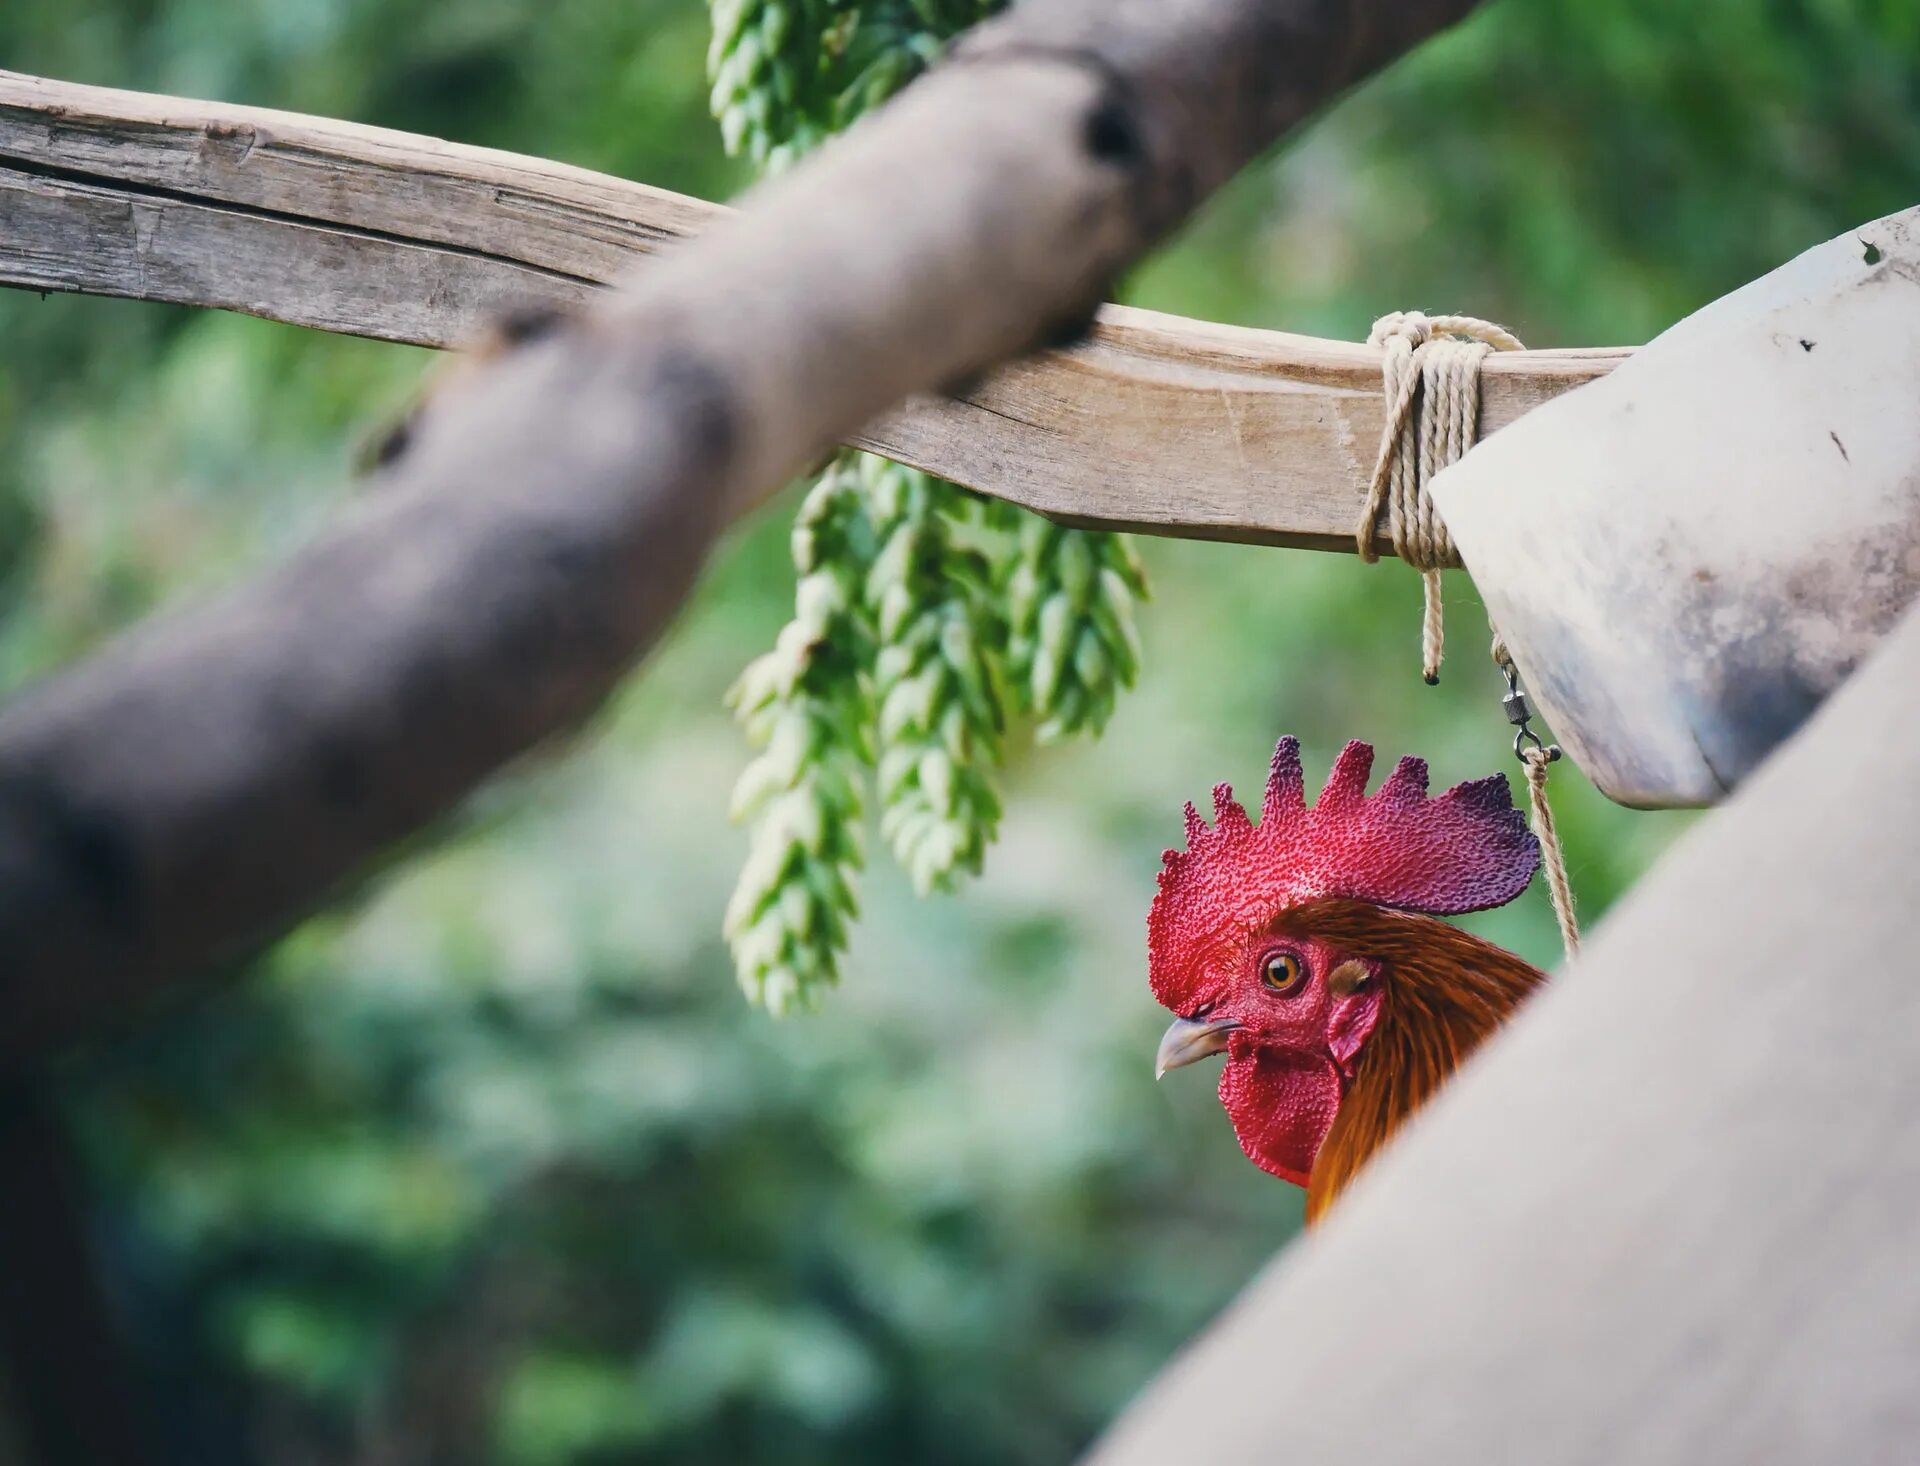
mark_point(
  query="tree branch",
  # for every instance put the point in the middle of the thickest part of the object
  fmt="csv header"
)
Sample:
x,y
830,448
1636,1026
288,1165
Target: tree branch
x,y
187,792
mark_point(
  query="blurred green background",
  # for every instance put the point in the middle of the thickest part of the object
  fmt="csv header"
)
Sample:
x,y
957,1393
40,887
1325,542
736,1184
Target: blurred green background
x,y
492,1163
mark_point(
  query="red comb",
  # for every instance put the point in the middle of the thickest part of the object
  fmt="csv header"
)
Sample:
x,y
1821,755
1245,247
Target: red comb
x,y
1466,850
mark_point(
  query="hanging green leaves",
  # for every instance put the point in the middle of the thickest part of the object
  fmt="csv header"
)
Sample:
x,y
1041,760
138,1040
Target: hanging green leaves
x,y
788,73
922,614
809,704
936,681
1070,598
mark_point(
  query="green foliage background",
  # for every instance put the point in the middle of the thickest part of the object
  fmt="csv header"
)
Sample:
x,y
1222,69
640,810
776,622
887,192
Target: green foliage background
x,y
492,1164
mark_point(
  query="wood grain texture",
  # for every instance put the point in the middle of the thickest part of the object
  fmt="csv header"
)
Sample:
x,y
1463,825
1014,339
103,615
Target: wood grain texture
x,y
180,797
1156,423
1665,1218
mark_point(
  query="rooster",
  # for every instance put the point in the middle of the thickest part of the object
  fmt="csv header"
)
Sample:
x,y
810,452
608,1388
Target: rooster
x,y
1305,948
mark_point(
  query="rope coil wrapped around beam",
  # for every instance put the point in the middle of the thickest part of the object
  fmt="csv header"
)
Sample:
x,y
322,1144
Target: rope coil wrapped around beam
x,y
1431,374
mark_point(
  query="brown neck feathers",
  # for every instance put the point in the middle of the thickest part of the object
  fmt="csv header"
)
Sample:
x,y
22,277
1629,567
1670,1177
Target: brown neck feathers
x,y
1445,992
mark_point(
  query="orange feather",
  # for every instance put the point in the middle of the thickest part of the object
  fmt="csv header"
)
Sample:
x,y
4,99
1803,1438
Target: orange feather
x,y
1445,991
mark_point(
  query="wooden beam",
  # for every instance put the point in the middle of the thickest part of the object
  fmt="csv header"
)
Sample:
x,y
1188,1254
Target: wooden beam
x,y
185,793
1667,1217
1155,423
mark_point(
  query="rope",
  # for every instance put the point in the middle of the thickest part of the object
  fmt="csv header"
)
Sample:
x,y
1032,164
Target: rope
x,y
1538,759
1552,857
1430,368
1430,372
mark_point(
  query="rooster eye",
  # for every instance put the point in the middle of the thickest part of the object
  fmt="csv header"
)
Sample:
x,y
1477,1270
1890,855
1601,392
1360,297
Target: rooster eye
x,y
1284,972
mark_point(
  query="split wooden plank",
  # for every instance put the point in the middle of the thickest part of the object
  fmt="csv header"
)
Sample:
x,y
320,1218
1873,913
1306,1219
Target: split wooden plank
x,y
1171,426
1155,423
60,234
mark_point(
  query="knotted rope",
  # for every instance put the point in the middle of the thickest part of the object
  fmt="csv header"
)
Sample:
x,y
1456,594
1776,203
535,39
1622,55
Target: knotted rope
x,y
1430,369
1431,373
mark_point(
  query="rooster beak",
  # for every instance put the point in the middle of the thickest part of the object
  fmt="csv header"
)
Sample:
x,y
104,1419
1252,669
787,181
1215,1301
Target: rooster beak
x,y
1188,1040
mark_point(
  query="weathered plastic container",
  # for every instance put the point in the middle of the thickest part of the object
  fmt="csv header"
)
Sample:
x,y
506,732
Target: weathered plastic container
x,y
1687,555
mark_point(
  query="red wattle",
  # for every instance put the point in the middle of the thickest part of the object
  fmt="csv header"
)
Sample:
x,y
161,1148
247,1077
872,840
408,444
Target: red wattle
x,y
1282,1104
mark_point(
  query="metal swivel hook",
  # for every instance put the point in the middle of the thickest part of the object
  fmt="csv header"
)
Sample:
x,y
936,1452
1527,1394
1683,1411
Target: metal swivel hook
x,y
1520,714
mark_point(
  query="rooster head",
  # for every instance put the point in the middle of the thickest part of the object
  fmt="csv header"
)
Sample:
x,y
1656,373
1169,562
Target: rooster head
x,y
1288,945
